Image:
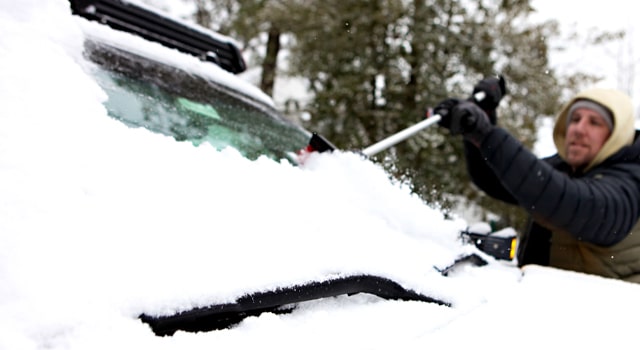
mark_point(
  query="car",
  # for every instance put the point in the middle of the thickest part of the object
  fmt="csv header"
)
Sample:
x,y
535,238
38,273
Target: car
x,y
197,108
124,228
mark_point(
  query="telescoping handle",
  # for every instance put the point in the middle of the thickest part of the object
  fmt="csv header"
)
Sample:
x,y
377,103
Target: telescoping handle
x,y
400,136
410,131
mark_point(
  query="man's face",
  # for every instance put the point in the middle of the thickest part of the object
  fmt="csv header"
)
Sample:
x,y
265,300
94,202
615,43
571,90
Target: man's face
x,y
587,131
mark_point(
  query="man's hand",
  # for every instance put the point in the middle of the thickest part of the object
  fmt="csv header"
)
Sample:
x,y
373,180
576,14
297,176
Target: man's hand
x,y
473,117
488,93
444,109
470,120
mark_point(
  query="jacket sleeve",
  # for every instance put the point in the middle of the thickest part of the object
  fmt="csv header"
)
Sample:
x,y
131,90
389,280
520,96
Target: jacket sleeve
x,y
483,176
480,172
600,208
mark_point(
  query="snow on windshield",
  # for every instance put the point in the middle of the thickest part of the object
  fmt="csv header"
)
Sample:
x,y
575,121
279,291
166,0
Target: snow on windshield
x,y
100,222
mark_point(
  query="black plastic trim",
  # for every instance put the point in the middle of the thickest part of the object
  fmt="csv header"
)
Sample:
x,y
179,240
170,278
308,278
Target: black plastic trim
x,y
320,144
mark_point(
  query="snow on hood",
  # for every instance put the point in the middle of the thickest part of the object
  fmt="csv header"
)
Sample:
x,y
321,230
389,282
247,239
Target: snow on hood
x,y
100,221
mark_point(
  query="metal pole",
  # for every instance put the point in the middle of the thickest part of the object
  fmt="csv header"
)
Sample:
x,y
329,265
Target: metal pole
x,y
410,131
400,136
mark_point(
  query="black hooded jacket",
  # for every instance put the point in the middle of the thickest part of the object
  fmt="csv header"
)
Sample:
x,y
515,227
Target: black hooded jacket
x,y
598,207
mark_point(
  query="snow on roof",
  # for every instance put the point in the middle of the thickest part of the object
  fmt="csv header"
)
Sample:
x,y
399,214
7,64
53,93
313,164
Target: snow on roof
x,y
172,57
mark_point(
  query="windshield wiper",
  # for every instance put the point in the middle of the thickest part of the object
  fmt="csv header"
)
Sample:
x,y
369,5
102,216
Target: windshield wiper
x,y
280,301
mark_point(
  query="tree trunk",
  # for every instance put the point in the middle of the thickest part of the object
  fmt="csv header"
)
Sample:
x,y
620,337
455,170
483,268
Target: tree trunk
x,y
202,15
270,63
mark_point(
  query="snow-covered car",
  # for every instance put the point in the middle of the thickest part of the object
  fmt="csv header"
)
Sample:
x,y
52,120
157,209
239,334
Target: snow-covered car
x,y
117,236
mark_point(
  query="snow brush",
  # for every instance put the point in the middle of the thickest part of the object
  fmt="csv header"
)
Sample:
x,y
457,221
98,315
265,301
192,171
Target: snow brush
x,y
495,86
320,144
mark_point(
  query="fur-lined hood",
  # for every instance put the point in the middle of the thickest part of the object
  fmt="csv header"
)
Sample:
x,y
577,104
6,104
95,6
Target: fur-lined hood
x,y
623,122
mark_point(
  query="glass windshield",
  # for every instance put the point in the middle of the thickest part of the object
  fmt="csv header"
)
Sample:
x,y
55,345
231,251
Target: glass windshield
x,y
167,100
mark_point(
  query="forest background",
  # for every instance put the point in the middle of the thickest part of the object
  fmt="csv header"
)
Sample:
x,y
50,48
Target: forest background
x,y
372,68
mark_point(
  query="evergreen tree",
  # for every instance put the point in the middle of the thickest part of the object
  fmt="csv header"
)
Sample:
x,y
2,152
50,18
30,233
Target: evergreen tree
x,y
374,68
247,20
348,53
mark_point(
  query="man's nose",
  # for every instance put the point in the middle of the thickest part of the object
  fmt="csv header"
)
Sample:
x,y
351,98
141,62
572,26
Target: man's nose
x,y
580,125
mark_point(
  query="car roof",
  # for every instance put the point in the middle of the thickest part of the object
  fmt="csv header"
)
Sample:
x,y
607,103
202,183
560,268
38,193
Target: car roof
x,y
129,38
156,26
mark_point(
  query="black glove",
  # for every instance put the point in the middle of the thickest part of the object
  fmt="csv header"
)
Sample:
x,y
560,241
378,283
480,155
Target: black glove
x,y
443,109
488,93
469,120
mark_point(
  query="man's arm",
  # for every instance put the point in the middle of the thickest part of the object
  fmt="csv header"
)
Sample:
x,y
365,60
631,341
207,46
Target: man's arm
x,y
599,209
483,176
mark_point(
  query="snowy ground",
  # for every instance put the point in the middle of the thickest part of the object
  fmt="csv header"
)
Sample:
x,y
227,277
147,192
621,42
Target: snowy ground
x,y
99,223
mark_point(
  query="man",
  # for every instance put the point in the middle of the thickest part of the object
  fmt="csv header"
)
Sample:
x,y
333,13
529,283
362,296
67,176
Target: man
x,y
584,202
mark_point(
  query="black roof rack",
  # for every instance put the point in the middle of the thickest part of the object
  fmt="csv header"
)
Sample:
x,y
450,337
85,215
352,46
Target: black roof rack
x,y
153,26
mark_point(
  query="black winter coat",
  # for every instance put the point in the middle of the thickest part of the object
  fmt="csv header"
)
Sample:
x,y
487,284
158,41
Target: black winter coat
x,y
600,206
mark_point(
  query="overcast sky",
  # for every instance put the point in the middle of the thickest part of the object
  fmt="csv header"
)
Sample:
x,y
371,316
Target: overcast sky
x,y
618,61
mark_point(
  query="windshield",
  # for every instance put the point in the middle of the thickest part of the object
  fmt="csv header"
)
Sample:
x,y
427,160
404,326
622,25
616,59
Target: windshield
x,y
170,101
